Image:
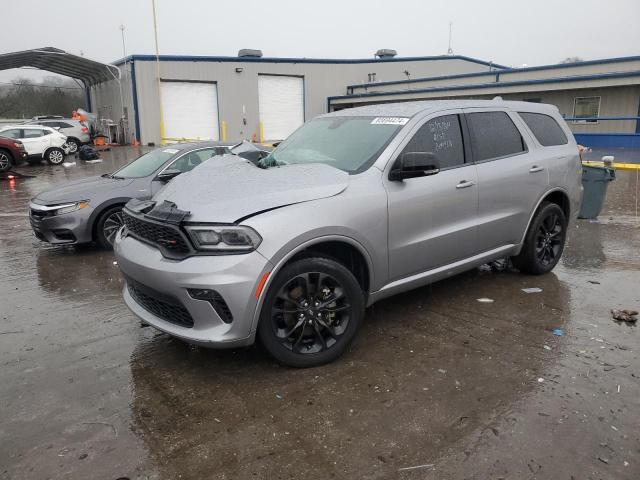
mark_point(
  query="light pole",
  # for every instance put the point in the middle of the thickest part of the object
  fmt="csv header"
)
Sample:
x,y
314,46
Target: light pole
x,y
155,33
124,50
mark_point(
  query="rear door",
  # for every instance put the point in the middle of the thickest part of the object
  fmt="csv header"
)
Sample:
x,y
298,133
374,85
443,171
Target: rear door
x,y
512,175
433,219
35,140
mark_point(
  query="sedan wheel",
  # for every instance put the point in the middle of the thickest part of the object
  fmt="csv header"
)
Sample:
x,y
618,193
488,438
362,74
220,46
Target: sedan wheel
x,y
111,226
73,146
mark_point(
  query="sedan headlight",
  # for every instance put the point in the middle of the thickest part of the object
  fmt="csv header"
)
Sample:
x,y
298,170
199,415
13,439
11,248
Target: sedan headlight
x,y
61,209
224,238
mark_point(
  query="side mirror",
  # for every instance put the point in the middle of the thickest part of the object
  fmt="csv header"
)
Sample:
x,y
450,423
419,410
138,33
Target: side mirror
x,y
168,174
414,164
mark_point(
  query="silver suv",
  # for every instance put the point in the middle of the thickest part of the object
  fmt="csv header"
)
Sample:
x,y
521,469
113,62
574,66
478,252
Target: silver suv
x,y
353,207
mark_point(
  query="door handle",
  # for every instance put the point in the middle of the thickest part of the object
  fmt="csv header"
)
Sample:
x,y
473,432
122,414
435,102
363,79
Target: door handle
x,y
465,184
535,169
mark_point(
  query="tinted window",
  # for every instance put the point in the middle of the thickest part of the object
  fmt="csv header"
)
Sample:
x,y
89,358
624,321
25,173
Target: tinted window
x,y
493,135
146,164
441,136
545,129
192,159
33,133
14,133
64,125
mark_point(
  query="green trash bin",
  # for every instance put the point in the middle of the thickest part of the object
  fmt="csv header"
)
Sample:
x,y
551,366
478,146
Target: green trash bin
x,y
595,181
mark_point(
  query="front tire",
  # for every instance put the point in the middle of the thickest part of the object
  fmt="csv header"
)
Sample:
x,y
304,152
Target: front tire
x,y
6,161
544,242
55,156
107,226
311,312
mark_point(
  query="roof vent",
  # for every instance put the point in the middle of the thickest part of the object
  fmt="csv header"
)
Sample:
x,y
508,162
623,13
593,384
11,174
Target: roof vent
x,y
248,52
386,53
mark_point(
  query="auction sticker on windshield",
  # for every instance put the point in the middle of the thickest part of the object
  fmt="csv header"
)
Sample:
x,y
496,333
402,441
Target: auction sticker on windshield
x,y
389,121
171,150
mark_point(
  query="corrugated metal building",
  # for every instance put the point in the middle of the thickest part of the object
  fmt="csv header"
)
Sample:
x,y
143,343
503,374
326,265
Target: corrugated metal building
x,y
236,98
600,98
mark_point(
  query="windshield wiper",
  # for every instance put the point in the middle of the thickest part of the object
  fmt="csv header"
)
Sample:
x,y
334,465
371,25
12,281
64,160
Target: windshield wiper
x,y
111,175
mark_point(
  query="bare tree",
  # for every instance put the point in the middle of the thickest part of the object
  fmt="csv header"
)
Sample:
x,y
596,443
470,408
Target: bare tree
x,y
24,98
572,60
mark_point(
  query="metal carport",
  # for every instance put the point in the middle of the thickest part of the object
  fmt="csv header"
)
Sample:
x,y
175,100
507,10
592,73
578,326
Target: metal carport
x,y
89,72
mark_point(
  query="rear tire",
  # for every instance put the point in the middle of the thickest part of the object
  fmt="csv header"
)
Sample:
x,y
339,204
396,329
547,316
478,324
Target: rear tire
x,y
55,156
544,242
73,144
311,312
107,226
6,161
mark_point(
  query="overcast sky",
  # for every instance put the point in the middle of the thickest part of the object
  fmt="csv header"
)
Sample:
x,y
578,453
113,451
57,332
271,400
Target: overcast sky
x,y
509,32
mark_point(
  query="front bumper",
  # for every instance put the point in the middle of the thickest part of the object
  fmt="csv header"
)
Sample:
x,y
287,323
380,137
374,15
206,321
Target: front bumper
x,y
166,282
68,229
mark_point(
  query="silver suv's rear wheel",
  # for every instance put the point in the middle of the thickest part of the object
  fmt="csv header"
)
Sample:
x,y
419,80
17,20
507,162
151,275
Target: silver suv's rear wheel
x,y
73,145
544,242
311,312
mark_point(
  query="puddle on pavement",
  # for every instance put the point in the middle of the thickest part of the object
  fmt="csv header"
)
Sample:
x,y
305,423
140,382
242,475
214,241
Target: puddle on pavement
x,y
434,376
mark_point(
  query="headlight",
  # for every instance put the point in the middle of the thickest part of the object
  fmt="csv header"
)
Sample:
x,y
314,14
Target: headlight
x,y
62,208
72,207
224,238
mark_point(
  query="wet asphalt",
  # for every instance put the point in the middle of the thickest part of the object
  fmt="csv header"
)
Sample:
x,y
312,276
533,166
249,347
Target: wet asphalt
x,y
436,386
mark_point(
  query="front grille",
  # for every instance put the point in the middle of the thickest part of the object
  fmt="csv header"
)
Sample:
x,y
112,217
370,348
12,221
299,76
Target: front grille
x,y
159,304
39,214
167,237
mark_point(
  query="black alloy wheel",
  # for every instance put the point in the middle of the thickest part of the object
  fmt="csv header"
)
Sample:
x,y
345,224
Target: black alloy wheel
x,y
311,313
544,241
549,240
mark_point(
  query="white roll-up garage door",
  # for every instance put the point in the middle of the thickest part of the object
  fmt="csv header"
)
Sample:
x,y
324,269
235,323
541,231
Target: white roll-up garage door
x,y
281,104
190,111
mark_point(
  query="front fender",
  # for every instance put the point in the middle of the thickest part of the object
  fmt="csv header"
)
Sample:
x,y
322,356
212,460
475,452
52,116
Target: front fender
x,y
288,251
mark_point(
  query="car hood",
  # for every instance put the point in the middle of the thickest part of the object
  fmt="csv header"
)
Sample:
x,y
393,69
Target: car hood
x,y
232,188
83,189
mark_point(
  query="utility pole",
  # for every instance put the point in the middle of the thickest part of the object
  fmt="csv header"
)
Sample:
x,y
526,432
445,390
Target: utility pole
x,y
155,33
450,50
124,50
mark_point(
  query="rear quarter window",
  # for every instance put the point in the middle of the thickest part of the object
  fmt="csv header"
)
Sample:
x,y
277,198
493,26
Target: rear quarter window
x,y
545,129
493,135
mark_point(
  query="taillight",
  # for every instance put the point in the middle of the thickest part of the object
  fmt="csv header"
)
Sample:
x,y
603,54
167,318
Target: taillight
x,y
85,129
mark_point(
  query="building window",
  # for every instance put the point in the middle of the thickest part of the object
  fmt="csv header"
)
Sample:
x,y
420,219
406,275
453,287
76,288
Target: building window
x,y
587,108
532,100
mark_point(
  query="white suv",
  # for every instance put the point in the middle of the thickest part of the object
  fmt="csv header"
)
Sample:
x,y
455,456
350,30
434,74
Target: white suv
x,y
77,132
39,142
